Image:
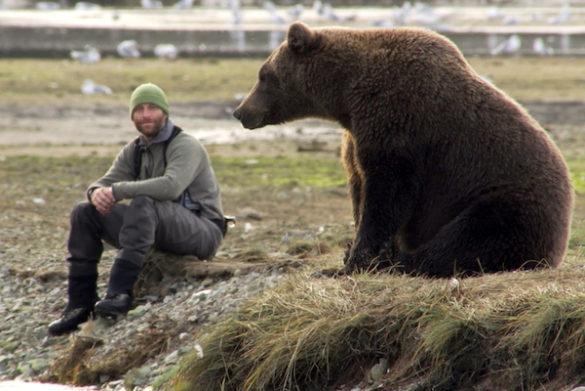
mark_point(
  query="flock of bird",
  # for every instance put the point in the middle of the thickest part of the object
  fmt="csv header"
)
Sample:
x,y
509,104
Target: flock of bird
x,y
407,14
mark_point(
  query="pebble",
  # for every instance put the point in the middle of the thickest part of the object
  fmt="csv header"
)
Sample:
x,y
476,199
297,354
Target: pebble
x,y
28,305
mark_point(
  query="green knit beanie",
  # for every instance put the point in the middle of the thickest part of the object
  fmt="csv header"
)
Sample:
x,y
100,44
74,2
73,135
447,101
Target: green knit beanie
x,y
149,93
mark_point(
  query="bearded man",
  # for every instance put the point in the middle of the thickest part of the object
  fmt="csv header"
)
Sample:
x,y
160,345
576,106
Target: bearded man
x,y
172,203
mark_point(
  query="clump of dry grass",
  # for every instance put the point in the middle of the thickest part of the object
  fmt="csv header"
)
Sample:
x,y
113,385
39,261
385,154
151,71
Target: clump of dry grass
x,y
307,248
82,364
521,330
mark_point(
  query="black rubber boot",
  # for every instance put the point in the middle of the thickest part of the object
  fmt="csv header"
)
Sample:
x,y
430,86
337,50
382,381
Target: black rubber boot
x,y
69,321
82,297
118,299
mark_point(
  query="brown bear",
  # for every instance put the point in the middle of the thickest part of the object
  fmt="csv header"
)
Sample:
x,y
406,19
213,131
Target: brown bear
x,y
447,174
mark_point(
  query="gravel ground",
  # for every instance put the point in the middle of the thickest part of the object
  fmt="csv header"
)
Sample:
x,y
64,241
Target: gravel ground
x,y
191,303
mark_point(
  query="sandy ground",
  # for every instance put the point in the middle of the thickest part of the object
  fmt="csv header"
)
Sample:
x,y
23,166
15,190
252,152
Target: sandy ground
x,y
58,131
52,130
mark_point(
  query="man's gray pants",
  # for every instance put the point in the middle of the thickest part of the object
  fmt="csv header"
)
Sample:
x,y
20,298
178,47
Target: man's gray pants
x,y
135,228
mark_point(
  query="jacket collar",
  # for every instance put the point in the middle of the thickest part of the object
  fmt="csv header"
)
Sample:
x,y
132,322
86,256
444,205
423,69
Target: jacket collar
x,y
162,136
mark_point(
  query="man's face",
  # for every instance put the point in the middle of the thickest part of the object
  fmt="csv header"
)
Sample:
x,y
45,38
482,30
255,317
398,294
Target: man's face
x,y
148,119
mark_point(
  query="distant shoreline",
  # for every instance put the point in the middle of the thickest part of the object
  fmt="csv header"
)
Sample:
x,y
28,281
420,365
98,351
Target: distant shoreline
x,y
200,31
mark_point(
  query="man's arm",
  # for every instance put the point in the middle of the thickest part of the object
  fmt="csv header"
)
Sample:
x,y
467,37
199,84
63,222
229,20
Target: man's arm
x,y
100,193
122,169
185,160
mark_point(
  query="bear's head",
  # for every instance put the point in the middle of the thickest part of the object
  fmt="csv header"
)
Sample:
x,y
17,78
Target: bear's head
x,y
294,82
354,76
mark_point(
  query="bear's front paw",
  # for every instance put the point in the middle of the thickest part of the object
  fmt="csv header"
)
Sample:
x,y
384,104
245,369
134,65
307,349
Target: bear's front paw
x,y
367,261
359,261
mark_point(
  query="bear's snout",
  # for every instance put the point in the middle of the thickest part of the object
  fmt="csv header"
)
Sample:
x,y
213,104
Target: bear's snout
x,y
237,114
249,120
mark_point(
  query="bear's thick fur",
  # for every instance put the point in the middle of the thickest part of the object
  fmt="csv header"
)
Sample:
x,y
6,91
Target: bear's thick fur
x,y
447,174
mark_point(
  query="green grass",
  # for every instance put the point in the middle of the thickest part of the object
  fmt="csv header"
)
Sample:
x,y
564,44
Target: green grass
x,y
281,171
50,81
49,173
577,168
311,334
38,81
527,79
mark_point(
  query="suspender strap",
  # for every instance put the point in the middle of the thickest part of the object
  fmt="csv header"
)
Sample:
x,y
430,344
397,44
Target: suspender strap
x,y
138,151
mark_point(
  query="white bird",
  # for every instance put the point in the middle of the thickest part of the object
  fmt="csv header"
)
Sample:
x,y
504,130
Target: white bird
x,y
237,17
166,51
540,47
563,16
327,11
47,5
382,23
400,15
495,13
274,17
537,17
509,46
89,88
88,56
511,21
149,4
317,6
425,15
128,49
296,11
183,4
84,5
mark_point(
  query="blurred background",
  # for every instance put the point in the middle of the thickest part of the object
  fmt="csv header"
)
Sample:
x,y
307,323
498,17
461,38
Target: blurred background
x,y
187,28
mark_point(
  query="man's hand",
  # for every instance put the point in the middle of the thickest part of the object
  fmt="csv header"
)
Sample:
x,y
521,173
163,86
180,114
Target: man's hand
x,y
103,199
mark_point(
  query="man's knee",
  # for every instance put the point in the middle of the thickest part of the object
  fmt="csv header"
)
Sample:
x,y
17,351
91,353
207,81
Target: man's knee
x,y
142,203
82,211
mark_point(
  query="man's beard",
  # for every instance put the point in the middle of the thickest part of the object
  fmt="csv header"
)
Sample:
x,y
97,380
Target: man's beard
x,y
156,126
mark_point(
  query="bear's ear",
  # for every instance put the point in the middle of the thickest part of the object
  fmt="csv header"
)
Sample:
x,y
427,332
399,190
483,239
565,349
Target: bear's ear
x,y
300,38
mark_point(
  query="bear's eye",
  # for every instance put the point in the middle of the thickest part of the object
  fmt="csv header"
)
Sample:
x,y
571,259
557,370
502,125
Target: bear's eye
x,y
263,75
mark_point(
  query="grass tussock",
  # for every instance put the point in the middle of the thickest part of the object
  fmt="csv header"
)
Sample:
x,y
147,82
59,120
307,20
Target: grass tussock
x,y
307,248
514,331
79,365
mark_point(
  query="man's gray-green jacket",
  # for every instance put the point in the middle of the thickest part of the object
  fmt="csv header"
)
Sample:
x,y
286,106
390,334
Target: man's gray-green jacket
x,y
187,178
